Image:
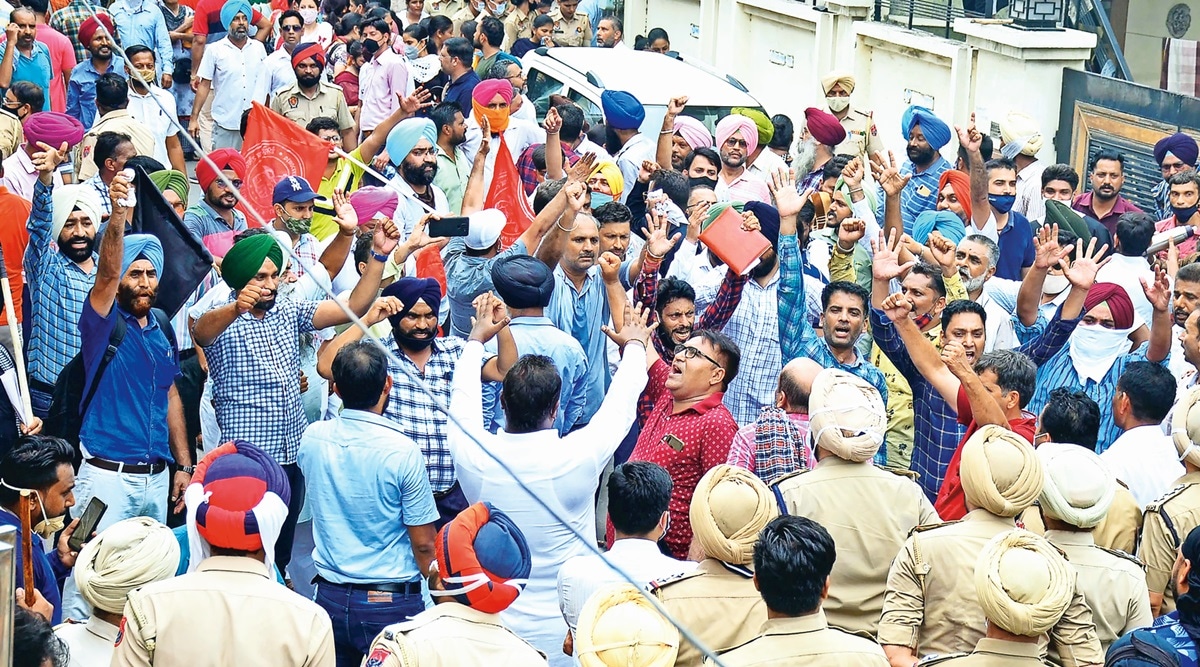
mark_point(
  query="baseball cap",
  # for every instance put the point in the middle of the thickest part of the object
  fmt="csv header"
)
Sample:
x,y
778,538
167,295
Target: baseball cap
x,y
294,189
484,228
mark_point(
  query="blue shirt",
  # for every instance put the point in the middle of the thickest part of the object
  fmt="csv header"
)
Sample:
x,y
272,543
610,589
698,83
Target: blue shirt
x,y
1168,627
48,571
460,91
35,68
127,420
1016,247
538,335
147,26
468,276
81,88
920,194
581,313
202,220
366,484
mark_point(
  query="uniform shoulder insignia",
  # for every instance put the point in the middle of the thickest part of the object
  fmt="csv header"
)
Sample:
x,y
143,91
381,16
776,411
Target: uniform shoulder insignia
x,y
673,579
790,475
928,527
937,659
1123,484
902,472
1121,554
1157,504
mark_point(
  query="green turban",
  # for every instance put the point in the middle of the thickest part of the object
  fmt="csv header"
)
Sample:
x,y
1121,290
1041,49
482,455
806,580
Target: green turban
x,y
245,258
766,129
172,180
717,209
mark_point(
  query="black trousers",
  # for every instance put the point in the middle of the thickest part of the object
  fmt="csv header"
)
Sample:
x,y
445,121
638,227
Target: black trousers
x,y
287,535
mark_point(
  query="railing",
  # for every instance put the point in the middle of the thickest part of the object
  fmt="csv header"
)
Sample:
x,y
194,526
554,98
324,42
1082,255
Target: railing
x,y
936,16
1108,58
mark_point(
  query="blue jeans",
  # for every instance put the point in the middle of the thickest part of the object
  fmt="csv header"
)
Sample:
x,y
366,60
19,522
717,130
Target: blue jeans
x,y
359,615
40,402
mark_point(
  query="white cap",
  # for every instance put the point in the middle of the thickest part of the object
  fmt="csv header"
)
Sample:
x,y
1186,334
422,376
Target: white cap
x,y
484,228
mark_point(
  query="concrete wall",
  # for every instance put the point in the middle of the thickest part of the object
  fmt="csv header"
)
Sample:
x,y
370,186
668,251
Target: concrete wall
x,y
1145,28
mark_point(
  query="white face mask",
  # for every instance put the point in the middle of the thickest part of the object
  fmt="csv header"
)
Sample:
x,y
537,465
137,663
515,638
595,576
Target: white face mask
x,y
1055,284
1095,349
837,104
309,16
47,527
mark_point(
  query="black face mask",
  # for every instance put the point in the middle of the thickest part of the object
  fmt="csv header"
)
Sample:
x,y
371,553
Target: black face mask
x,y
370,46
308,81
15,112
710,183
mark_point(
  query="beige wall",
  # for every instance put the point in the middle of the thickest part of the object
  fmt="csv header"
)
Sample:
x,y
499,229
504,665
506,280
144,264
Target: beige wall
x,y
1145,29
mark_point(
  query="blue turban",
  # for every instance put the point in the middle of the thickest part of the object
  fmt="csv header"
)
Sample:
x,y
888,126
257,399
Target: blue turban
x,y
946,223
937,133
1180,145
410,290
622,111
768,219
404,137
145,246
232,8
522,281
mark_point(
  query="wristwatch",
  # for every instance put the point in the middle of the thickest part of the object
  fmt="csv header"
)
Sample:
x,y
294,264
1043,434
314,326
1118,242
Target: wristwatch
x,y
379,257
191,470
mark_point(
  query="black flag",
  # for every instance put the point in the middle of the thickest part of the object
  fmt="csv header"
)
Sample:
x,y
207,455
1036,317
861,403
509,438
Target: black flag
x,y
185,259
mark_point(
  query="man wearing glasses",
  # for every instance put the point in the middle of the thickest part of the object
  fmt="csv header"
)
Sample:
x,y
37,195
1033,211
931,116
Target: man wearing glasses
x,y
689,430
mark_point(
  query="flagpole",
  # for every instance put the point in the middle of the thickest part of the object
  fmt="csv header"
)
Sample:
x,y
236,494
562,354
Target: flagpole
x,y
14,330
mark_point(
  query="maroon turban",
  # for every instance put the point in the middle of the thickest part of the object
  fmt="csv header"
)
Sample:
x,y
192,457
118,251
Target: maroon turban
x,y
310,50
824,126
1117,299
53,128
225,158
87,29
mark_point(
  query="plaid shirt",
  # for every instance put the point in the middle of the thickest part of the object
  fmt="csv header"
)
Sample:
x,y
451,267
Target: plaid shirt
x,y
254,366
409,407
529,173
919,195
715,316
57,288
67,21
938,431
102,191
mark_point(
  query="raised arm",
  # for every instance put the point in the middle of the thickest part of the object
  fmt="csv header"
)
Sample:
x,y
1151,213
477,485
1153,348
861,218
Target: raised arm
x,y
1046,254
924,356
548,230
554,153
329,313
666,136
984,408
491,321
112,250
885,265
474,194
893,183
383,308
1159,295
971,139
409,106
794,328
10,51
335,254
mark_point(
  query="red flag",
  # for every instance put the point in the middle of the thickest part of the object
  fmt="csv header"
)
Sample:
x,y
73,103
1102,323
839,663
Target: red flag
x,y
276,147
429,265
507,194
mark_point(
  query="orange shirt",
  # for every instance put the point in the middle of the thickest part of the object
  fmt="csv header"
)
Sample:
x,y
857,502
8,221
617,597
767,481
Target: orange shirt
x,y
14,237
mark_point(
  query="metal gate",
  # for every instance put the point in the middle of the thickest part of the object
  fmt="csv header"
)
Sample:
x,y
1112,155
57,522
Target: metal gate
x,y
1099,112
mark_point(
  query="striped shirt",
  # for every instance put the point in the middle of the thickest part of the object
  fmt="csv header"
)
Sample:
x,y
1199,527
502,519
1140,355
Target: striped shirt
x,y
920,194
57,288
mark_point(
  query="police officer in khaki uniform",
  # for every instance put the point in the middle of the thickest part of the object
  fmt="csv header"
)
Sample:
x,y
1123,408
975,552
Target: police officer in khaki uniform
x,y
1023,586
618,627
792,564
1077,493
930,605
464,626
717,601
310,97
1168,520
870,512
446,8
861,137
518,23
571,26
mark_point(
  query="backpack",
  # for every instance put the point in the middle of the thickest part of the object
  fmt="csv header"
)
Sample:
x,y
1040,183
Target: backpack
x,y
69,402
1141,648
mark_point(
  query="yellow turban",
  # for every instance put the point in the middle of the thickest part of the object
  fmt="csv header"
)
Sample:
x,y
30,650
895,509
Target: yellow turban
x,y
1023,585
1078,487
611,173
1021,135
846,415
127,554
834,78
729,509
618,627
1000,471
1185,427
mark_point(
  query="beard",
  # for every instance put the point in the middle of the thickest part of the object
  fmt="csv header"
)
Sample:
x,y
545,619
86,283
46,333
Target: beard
x,y
920,156
806,157
74,254
765,266
238,34
971,284
265,305
612,143
134,301
308,81
419,175
732,162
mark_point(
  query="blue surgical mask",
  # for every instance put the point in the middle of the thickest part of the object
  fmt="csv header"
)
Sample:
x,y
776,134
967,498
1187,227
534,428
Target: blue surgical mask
x,y
1182,215
500,7
411,52
600,199
1002,203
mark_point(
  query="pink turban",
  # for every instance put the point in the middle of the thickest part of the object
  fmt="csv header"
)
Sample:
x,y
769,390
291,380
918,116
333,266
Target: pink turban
x,y
486,90
693,132
734,123
371,200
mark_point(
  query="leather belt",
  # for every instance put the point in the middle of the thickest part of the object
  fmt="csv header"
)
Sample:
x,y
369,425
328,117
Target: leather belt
x,y
404,587
129,468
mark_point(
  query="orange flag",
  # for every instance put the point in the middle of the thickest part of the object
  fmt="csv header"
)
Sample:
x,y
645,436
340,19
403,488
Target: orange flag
x,y
507,194
274,148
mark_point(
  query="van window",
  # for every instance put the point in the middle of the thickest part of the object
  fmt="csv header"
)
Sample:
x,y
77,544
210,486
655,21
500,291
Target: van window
x,y
541,86
592,113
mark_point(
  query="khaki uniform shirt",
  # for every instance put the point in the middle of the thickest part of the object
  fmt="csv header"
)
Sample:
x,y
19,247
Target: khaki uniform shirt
x,y
299,108
574,32
805,641
12,134
1112,582
463,15
517,25
444,7
994,653
451,634
1166,524
868,531
1117,531
230,611
121,122
717,602
930,604
861,138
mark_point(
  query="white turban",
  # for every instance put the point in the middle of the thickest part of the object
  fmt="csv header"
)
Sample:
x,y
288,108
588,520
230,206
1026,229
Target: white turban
x,y
1021,135
1078,486
1000,471
67,198
1023,585
618,627
846,415
126,555
730,507
1185,427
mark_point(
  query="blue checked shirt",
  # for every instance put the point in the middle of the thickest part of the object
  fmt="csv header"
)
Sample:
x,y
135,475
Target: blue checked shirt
x,y
920,194
67,21
146,26
101,189
938,432
57,288
254,366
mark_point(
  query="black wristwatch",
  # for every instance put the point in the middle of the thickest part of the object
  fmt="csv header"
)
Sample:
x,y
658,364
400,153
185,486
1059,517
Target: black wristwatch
x,y
191,470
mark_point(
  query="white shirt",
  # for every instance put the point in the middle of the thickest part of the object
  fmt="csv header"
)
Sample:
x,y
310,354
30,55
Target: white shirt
x,y
1145,460
639,558
90,644
20,174
527,112
561,472
234,74
277,73
629,159
1029,191
588,146
767,163
518,136
999,325
1128,272
147,111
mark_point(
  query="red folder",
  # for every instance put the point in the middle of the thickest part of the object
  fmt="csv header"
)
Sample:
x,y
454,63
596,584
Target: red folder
x,y
740,250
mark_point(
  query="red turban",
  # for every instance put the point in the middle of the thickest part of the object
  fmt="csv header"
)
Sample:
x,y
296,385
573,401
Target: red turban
x,y
824,126
309,50
225,158
1117,299
485,90
961,184
87,29
483,559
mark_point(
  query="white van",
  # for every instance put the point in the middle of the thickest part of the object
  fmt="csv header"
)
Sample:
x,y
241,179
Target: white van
x,y
582,73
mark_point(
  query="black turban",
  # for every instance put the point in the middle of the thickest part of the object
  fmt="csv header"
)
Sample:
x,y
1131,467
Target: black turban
x,y
410,291
522,281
